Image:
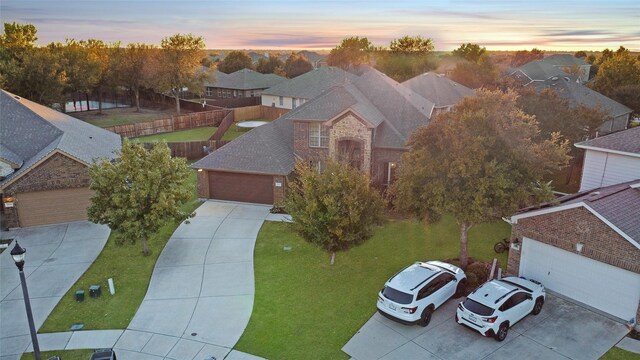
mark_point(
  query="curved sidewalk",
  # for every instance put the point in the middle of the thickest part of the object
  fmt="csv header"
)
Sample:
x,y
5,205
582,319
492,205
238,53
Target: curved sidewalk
x,y
200,297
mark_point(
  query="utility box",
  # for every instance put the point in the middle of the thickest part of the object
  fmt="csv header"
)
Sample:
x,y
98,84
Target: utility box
x,y
80,295
94,291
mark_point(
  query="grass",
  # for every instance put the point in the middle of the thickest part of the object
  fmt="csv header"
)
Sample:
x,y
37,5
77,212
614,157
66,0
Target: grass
x,y
119,116
131,273
83,354
195,134
620,354
305,308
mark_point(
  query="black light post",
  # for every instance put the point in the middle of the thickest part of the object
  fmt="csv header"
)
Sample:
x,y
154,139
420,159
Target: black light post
x,y
17,253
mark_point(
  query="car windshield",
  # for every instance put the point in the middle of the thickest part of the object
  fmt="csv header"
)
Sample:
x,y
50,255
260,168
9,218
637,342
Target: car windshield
x,y
397,296
477,308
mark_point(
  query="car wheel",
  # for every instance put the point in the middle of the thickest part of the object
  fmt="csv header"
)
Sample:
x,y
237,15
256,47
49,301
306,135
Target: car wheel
x,y
502,332
425,318
538,306
460,289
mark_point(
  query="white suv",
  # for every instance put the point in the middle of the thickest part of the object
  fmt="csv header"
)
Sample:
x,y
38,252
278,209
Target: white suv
x,y
498,304
411,295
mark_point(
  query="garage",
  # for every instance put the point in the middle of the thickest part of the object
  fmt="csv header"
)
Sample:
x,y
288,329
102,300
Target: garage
x,y
602,286
251,188
55,206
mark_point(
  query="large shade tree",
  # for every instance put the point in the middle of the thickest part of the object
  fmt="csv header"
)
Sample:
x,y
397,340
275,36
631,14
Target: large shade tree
x,y
335,209
136,68
619,78
234,61
407,57
180,65
479,162
139,192
296,65
470,52
352,51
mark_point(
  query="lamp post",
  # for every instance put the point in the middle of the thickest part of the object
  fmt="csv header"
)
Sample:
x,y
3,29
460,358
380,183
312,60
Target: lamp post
x,y
17,253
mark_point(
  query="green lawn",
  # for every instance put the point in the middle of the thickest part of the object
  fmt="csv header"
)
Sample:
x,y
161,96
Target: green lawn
x,y
619,354
307,309
119,116
233,132
83,354
195,134
131,273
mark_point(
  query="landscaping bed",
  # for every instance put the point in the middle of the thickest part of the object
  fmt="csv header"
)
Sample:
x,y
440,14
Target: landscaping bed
x,y
305,306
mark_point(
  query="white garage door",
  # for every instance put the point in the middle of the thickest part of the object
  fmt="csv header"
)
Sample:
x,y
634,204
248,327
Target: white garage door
x,y
608,288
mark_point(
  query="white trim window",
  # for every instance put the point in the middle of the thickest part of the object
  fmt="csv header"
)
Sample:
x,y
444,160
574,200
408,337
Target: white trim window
x,y
318,135
281,100
209,91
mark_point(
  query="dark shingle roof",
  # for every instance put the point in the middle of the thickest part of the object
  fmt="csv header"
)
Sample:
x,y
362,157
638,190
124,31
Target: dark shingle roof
x,y
312,83
564,60
31,131
439,89
627,141
619,204
539,70
245,79
578,94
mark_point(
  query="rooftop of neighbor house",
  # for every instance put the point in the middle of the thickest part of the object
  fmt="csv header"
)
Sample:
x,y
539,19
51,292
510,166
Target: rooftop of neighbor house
x,y
564,60
439,89
626,141
245,79
311,84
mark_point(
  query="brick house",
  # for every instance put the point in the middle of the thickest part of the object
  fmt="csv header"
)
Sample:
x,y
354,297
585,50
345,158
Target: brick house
x,y
44,156
584,246
365,122
244,83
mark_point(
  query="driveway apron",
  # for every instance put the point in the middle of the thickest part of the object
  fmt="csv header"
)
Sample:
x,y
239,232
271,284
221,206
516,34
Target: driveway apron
x,y
57,255
200,297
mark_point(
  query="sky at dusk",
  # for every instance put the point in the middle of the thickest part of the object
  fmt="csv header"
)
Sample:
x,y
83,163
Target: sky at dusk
x,y
496,24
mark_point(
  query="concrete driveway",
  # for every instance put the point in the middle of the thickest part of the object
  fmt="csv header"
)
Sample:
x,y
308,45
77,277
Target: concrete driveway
x,y
57,255
563,330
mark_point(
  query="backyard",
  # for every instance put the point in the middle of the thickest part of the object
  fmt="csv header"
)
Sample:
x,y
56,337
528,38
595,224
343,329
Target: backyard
x,y
304,306
119,116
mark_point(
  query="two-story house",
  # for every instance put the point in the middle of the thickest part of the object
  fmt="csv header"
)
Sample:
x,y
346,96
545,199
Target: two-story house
x,y
294,92
365,122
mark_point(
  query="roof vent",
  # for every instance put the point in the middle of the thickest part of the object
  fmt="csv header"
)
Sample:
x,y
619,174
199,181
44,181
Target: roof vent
x,y
566,78
554,78
595,193
18,97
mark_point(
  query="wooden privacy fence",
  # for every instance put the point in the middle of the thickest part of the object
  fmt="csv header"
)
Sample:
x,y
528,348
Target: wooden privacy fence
x,y
175,123
191,150
258,112
225,124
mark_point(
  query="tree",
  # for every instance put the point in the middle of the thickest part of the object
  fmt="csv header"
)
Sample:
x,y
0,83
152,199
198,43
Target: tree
x,y
269,65
296,65
107,57
476,75
139,192
180,65
135,69
352,51
16,39
470,52
81,70
479,162
524,56
234,61
335,209
580,54
413,45
39,78
620,71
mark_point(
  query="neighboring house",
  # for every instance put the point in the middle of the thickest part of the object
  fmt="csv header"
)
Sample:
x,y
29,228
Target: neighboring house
x,y
578,94
44,155
255,56
365,122
570,65
446,64
294,92
240,84
438,89
584,246
538,70
314,58
611,159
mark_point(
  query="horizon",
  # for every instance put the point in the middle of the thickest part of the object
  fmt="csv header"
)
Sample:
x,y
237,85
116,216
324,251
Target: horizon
x,y
292,25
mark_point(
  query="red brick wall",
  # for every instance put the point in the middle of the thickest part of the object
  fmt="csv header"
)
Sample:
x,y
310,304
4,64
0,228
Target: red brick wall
x,y
57,172
301,143
279,191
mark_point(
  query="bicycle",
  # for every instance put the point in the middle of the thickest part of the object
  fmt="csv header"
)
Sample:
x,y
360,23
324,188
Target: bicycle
x,y
501,246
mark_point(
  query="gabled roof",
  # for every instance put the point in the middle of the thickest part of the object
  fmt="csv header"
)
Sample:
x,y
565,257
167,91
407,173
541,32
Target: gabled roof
x,y
312,56
245,79
616,205
29,132
394,110
438,89
564,60
311,84
578,94
626,142
539,70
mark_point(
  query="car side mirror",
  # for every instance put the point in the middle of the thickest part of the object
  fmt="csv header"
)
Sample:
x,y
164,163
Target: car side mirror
x,y
529,297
